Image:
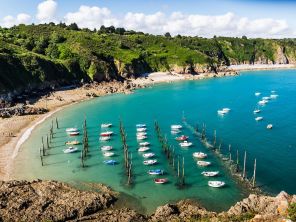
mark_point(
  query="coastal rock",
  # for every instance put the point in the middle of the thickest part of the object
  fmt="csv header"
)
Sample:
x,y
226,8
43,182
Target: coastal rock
x,y
281,58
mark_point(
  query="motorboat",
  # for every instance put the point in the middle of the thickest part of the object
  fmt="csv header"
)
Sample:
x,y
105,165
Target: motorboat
x,y
108,154
269,126
142,129
216,184
182,138
210,173
226,110
262,102
273,91
105,138
110,162
106,125
266,98
106,148
143,149
174,132
141,134
273,96
69,130
160,180
70,150
144,144
203,163
186,144
176,127
141,125
74,133
107,133
200,155
148,155
74,142
222,112
257,111
259,118
141,137
156,172
257,93
149,162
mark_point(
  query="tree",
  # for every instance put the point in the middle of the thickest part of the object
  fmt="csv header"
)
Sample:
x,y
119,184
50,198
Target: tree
x,y
73,26
52,51
120,31
244,37
167,35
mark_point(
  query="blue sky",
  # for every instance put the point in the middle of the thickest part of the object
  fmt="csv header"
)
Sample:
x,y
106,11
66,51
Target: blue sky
x,y
236,16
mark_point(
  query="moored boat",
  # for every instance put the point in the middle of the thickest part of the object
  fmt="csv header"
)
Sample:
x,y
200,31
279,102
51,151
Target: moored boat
x,y
142,129
200,155
262,102
259,118
216,184
74,133
266,98
269,126
203,163
141,125
69,130
186,144
75,142
106,125
160,180
110,162
149,162
108,154
222,112
176,127
107,133
141,134
70,150
148,155
156,172
274,96
106,148
143,149
105,138
174,132
141,137
210,173
144,144
257,93
226,110
182,138
257,111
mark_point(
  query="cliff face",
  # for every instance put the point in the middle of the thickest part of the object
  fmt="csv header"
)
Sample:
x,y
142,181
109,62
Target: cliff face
x,y
54,201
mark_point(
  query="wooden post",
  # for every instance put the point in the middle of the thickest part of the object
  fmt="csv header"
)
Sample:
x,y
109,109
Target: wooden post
x,y
229,150
254,174
47,142
214,143
178,167
183,174
57,123
237,157
244,170
82,159
43,148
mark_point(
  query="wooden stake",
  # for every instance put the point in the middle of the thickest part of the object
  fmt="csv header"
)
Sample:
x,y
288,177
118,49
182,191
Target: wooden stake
x,y
47,142
254,174
178,166
214,143
244,170
57,123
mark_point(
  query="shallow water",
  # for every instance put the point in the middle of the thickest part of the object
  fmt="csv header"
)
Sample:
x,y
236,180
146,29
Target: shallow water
x,y
274,149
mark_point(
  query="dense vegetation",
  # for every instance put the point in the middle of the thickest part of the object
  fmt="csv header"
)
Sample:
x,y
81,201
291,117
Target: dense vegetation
x,y
49,53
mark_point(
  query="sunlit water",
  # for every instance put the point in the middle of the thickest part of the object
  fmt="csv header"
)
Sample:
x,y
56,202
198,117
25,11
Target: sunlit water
x,y
274,149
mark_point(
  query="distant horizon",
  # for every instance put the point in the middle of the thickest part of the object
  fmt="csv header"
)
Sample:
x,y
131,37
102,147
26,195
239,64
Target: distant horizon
x,y
228,18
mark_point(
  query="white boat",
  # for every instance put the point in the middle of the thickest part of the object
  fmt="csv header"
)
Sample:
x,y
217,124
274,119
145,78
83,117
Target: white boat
x,y
75,133
200,155
143,149
105,138
210,173
69,130
203,163
222,112
70,150
142,129
142,134
144,144
226,109
156,172
257,93
148,155
257,111
269,126
174,132
266,98
149,162
273,96
106,148
259,118
176,127
108,154
273,91
141,125
106,125
186,144
74,142
141,137
107,133
216,184
262,102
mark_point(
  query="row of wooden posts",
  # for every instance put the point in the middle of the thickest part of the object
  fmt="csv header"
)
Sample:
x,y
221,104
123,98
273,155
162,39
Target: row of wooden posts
x,y
45,145
172,157
234,164
85,148
127,157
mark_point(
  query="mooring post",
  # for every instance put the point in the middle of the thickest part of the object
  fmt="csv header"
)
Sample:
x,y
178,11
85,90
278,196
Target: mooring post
x,y
244,170
57,123
254,174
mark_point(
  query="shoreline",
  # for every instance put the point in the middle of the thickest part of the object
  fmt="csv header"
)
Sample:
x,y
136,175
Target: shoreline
x,y
257,67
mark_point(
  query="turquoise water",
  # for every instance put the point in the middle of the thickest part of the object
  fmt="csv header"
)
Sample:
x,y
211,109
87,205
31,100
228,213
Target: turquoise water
x,y
274,149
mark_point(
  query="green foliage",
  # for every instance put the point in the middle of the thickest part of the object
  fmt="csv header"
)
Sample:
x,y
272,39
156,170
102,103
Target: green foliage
x,y
292,211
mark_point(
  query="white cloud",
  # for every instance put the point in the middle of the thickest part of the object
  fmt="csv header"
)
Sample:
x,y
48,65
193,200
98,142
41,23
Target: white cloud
x,y
9,21
46,11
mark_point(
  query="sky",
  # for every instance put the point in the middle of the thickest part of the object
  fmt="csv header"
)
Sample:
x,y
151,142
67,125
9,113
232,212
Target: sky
x,y
253,18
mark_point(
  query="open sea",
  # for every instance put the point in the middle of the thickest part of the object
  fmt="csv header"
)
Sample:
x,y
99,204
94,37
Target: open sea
x,y
198,101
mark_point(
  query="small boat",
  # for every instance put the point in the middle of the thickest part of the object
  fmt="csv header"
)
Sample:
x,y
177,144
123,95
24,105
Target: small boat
x,y
141,134
148,155
160,180
75,142
141,125
269,126
149,162
107,133
216,184
69,130
262,102
156,172
266,98
257,93
273,91
141,137
106,125
108,154
74,133
143,149
200,155
176,127
142,129
273,96
70,150
222,112
105,138
257,111
259,118
226,110
182,138
110,162
174,132
144,144
203,163
186,144
210,173
106,148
